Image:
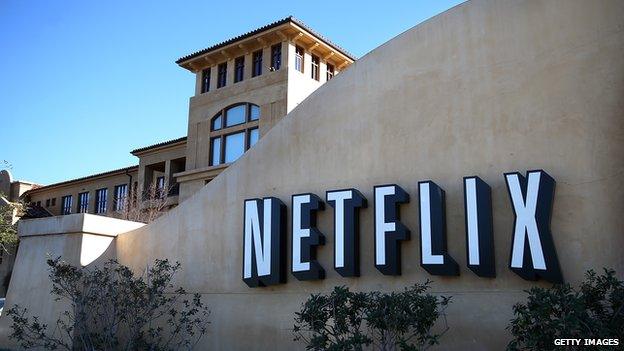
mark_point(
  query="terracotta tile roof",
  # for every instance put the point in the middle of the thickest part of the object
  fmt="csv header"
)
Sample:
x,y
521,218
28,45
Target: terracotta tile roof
x,y
125,169
289,19
164,143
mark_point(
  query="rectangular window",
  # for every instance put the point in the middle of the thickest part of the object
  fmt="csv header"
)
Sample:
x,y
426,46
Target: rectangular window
x,y
100,200
66,203
330,71
239,69
121,197
257,63
205,83
316,67
276,56
54,201
222,74
299,58
234,146
83,202
48,203
215,154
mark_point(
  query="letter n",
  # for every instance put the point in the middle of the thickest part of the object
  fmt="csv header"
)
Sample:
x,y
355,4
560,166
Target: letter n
x,y
264,242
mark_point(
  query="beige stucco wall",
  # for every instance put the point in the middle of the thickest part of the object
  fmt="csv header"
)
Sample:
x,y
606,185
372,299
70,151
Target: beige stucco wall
x,y
80,239
267,91
484,88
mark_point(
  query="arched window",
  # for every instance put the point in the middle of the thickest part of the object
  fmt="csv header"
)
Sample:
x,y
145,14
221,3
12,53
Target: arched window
x,y
233,131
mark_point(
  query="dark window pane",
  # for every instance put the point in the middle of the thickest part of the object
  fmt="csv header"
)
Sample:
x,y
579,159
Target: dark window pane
x,y
121,197
215,152
216,122
222,74
205,80
66,202
254,134
257,64
101,196
276,57
254,112
239,69
235,115
234,146
83,202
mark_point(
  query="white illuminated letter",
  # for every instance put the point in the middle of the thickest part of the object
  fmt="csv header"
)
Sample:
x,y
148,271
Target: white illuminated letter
x,y
381,226
526,223
339,197
472,221
299,233
261,240
425,228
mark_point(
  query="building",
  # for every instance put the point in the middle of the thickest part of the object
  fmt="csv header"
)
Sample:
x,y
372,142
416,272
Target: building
x,y
11,192
525,94
244,86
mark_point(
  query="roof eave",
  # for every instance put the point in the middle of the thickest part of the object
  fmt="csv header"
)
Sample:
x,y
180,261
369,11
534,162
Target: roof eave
x,y
186,61
155,148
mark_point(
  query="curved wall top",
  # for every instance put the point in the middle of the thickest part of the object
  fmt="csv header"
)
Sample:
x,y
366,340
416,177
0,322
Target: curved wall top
x,y
485,88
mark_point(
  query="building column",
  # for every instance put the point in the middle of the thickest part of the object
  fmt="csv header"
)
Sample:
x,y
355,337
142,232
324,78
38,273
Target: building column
x,y
145,179
168,175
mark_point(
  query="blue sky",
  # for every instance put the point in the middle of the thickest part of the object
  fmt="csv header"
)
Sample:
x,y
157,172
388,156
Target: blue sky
x,y
84,82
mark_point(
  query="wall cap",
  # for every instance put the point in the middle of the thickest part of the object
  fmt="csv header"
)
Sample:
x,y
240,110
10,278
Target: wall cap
x,y
75,223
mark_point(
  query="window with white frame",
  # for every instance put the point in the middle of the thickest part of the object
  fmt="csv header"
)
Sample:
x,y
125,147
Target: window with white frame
x,y
299,63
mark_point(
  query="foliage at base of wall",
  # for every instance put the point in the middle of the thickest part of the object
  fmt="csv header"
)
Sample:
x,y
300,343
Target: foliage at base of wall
x,y
112,309
346,320
593,310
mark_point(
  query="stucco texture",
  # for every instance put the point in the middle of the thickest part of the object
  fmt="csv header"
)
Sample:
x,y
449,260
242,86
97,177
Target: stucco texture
x,y
485,88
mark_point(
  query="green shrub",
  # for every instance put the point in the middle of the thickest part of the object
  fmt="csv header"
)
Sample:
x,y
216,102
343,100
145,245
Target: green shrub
x,y
594,310
111,309
345,320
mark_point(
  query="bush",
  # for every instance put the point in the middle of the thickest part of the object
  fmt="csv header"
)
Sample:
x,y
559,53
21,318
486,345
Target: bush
x,y
332,322
594,310
111,309
345,320
404,320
